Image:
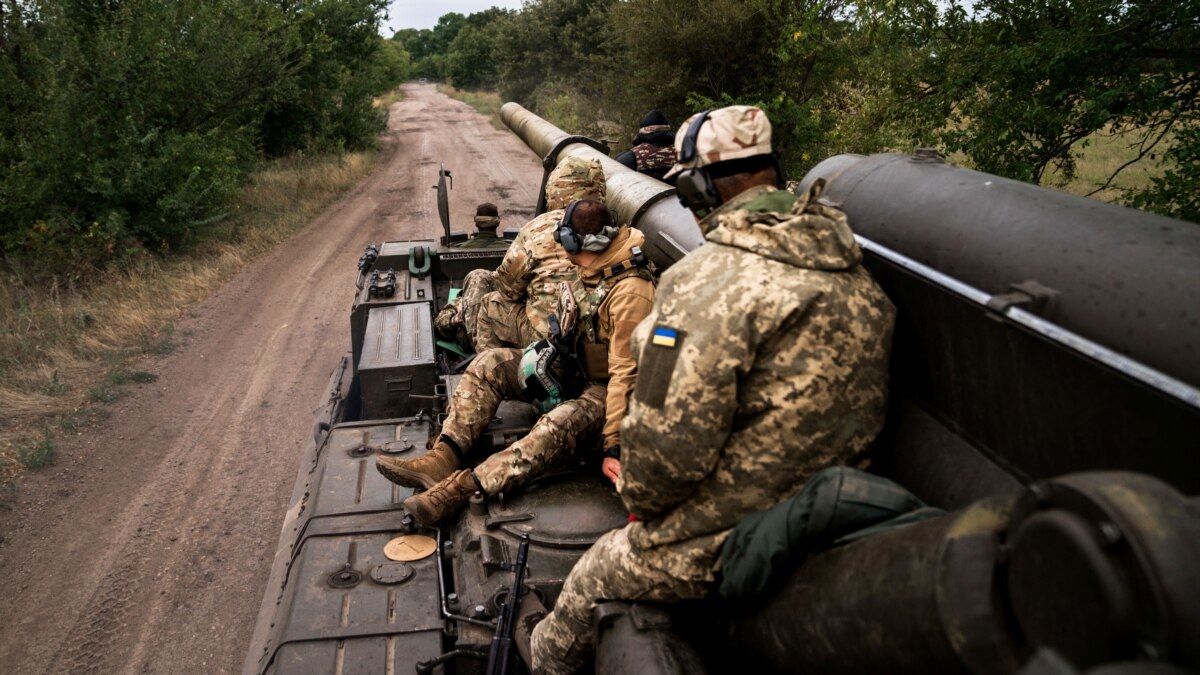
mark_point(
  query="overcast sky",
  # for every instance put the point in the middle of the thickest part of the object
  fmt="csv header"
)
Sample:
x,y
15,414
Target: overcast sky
x,y
425,13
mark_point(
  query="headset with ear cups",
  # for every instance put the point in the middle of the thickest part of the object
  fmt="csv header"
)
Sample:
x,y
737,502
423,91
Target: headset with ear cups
x,y
694,187
566,235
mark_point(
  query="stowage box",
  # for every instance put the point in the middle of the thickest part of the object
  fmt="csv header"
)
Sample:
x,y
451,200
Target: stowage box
x,y
397,361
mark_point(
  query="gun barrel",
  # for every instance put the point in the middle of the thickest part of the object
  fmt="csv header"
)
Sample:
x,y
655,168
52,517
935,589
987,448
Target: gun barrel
x,y
643,202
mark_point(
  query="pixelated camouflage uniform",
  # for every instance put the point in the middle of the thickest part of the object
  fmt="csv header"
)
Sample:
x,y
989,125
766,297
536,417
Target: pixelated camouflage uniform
x,y
778,368
621,302
523,290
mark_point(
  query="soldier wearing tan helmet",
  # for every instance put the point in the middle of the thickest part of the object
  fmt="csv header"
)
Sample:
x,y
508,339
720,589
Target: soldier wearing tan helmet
x,y
508,307
581,378
763,361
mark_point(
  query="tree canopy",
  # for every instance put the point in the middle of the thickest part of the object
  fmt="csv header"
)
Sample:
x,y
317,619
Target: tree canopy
x,y
1015,87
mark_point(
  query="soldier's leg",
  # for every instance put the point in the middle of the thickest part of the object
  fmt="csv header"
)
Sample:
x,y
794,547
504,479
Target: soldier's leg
x,y
492,377
610,570
502,322
552,437
476,285
457,321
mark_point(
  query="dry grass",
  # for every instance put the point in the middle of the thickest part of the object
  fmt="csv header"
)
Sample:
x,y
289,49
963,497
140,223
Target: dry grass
x,y
1101,154
65,350
487,103
388,99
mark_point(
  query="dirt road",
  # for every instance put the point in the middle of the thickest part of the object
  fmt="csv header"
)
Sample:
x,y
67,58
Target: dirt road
x,y
146,547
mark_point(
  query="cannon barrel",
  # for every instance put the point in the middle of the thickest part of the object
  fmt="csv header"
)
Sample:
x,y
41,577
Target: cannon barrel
x,y
1125,278
637,199
1038,333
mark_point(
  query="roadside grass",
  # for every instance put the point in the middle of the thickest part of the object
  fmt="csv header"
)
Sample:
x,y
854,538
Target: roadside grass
x,y
66,347
1098,155
388,99
487,103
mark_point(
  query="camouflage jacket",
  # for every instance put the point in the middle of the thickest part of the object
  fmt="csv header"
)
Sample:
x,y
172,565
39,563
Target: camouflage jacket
x,y
534,266
764,360
653,160
621,303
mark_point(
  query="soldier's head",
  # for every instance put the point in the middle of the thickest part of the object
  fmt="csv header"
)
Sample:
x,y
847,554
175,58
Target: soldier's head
x,y
721,154
654,122
487,217
574,178
587,228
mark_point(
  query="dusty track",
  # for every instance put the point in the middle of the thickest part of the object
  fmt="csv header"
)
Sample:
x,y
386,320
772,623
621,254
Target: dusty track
x,y
146,548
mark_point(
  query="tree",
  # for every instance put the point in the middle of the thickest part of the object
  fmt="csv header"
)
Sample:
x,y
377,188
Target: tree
x,y
1026,82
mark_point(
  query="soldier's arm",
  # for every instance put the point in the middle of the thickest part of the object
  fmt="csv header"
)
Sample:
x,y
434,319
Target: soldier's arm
x,y
681,412
516,269
626,309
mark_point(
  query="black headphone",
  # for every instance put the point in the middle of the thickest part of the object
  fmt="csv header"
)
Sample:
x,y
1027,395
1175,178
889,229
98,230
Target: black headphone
x,y
694,187
566,235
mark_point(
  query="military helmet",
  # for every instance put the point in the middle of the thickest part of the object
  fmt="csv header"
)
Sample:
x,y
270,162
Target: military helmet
x,y
549,375
574,178
713,136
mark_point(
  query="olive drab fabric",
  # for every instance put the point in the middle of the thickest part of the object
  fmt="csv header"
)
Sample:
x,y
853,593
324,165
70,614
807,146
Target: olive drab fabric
x,y
621,301
732,132
763,361
493,377
836,504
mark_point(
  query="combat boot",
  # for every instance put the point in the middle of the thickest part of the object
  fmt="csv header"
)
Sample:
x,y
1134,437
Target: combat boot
x,y
444,499
424,471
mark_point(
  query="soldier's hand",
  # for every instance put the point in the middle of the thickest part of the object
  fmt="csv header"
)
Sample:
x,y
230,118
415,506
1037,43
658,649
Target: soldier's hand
x,y
611,467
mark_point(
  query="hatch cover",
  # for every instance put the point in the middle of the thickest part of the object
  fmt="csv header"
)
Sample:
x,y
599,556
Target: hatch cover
x,y
563,511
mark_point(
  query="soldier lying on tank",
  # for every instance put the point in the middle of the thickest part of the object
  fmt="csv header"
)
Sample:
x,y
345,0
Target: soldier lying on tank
x,y
508,307
581,379
764,360
653,151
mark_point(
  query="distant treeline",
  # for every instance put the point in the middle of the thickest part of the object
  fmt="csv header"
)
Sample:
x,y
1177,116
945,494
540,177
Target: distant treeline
x,y
1013,87
128,125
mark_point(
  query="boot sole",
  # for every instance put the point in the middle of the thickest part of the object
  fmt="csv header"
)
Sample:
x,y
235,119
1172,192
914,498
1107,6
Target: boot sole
x,y
413,506
406,478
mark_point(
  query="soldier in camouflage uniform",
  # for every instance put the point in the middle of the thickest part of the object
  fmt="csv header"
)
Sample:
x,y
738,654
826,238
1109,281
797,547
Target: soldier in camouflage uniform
x,y
457,321
653,151
621,290
487,226
764,360
509,306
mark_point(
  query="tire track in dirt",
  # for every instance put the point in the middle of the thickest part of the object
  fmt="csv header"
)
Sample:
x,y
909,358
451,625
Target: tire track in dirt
x,y
147,547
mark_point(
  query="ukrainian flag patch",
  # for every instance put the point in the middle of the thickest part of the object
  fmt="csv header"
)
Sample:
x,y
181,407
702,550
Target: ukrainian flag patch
x,y
664,336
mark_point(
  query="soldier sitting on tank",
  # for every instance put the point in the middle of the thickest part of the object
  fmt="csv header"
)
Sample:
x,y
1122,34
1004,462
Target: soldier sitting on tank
x,y
487,225
653,150
581,385
764,360
508,307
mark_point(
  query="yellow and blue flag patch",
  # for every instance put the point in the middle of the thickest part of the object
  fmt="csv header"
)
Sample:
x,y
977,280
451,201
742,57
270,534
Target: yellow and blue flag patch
x,y
664,336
